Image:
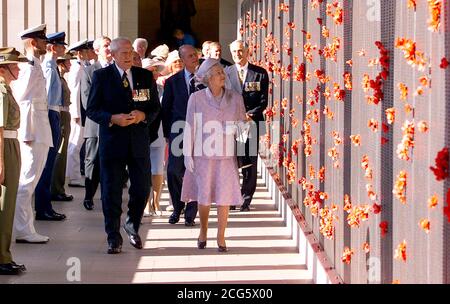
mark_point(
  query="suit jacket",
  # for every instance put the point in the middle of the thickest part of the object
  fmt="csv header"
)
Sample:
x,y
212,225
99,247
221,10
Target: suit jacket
x,y
174,103
91,128
255,89
108,97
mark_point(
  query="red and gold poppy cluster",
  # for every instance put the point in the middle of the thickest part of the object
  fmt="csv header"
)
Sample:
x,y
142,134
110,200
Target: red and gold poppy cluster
x,y
332,90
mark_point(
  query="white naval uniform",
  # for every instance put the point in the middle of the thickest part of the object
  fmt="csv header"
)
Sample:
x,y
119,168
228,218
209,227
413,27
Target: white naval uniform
x,y
29,90
76,137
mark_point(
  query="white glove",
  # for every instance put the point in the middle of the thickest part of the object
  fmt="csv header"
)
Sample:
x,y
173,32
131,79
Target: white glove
x,y
189,163
243,129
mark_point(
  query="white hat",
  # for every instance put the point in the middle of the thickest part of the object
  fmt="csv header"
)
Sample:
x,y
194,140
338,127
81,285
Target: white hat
x,y
80,45
161,52
204,68
35,32
173,56
147,62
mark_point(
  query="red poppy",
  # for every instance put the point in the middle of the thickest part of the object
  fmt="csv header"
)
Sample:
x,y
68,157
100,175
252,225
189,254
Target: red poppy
x,y
400,187
376,208
434,7
400,252
441,170
384,226
412,4
447,208
425,225
347,256
444,63
366,248
433,201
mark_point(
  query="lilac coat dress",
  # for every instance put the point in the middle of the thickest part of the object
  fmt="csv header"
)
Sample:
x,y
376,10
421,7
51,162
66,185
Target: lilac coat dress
x,y
209,137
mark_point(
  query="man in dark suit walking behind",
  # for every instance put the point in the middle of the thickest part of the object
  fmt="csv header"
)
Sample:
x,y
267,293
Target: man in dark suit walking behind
x,y
177,90
253,83
91,128
123,100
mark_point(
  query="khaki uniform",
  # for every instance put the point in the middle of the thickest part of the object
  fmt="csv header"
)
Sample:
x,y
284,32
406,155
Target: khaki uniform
x,y
9,121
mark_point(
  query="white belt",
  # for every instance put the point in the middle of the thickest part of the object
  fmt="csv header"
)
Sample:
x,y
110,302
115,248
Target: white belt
x,y
64,109
54,108
10,134
39,106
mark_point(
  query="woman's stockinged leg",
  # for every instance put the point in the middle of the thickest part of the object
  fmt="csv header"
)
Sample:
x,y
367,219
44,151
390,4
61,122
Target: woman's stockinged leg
x,y
204,215
222,214
157,181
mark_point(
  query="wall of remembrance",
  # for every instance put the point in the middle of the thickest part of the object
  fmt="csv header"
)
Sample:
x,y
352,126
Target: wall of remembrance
x,y
359,129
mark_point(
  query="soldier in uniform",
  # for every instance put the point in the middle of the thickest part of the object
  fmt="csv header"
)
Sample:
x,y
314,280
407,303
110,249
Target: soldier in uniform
x,y
81,48
35,135
56,47
91,128
59,170
9,157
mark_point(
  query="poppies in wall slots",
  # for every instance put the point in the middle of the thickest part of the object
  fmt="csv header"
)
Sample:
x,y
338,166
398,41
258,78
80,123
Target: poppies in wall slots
x,y
303,68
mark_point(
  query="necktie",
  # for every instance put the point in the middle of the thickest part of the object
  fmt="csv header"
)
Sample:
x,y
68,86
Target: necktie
x,y
241,76
126,84
191,84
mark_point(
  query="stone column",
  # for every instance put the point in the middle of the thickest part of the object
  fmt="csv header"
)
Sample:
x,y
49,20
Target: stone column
x,y
128,18
227,25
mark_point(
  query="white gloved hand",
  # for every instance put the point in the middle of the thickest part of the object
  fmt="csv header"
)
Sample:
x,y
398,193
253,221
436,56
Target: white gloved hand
x,y
189,163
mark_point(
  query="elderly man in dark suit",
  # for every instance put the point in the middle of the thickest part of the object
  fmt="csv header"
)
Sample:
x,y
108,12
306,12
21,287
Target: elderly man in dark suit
x,y
91,128
177,90
253,83
123,100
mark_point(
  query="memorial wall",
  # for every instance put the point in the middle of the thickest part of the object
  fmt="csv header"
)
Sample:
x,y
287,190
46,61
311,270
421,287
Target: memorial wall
x,y
358,129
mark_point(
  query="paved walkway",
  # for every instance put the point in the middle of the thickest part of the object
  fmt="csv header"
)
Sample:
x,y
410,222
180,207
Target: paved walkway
x,y
260,249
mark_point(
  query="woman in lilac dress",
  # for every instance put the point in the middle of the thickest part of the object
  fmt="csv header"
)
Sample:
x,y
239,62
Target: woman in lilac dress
x,y
209,149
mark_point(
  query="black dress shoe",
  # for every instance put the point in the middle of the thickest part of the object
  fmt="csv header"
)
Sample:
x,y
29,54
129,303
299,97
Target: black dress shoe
x,y
114,248
245,208
76,185
21,267
232,207
135,239
174,218
63,216
54,216
62,198
88,204
189,223
201,244
10,269
221,248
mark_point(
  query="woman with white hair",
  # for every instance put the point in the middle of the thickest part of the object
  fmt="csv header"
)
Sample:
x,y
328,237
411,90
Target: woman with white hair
x,y
173,64
211,169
